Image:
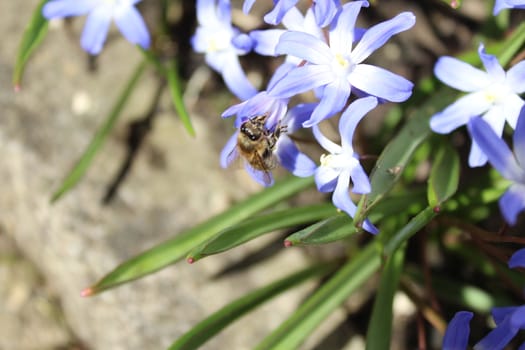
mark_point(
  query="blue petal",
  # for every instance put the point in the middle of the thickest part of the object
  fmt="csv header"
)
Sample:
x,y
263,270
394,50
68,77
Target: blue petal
x,y
325,10
213,12
519,139
381,83
476,156
517,259
132,26
499,313
341,197
298,115
351,117
516,76
460,75
292,159
96,30
517,318
512,203
511,106
360,180
342,29
301,79
247,5
378,35
328,145
498,338
305,46
459,113
67,8
236,80
491,64
458,331
279,74
266,41
325,178
335,96
341,200
264,178
229,151
496,149
224,14
276,15
243,42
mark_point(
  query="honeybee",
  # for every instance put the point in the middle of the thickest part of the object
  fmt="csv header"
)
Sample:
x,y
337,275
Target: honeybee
x,y
256,144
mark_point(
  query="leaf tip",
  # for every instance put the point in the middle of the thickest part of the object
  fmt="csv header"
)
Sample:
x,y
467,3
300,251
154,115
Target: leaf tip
x,y
87,292
190,260
17,87
288,243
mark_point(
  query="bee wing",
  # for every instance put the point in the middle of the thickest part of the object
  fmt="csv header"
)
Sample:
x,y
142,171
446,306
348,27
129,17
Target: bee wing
x,y
264,177
229,153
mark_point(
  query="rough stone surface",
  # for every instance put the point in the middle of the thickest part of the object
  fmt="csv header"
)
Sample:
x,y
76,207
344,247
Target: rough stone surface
x,y
175,182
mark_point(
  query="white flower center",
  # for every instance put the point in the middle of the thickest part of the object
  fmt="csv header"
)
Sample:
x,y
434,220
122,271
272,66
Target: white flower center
x,y
342,65
339,161
218,41
497,93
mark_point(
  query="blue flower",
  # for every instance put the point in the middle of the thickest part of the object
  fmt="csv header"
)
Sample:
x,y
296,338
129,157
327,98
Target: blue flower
x,y
325,11
509,320
511,166
342,163
265,41
222,45
458,330
285,150
507,4
100,13
275,16
336,67
493,95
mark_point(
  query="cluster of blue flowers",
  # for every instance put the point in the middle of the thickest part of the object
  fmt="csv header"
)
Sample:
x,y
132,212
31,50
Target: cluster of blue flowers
x,y
325,53
509,321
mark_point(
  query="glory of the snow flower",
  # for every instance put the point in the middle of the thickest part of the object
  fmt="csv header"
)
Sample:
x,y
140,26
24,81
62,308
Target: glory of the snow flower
x,y
100,14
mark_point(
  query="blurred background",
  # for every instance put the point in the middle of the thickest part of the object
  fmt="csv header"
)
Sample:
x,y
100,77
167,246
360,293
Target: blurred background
x,y
150,181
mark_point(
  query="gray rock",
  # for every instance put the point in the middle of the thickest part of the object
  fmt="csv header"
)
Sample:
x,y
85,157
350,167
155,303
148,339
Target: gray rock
x,y
174,183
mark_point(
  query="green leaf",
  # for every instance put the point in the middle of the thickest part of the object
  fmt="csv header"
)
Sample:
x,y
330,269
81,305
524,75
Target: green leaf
x,y
176,96
399,151
512,45
220,319
444,176
341,226
414,225
32,37
254,227
379,330
80,168
175,249
291,333
325,231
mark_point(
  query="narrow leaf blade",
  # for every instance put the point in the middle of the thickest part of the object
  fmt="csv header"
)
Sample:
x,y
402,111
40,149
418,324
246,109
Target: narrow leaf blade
x,y
176,96
444,176
251,228
32,37
380,327
291,333
222,318
80,168
173,250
